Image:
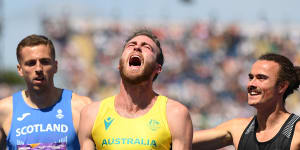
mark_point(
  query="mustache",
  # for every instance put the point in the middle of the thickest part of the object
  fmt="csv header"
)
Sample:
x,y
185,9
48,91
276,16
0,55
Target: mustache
x,y
251,88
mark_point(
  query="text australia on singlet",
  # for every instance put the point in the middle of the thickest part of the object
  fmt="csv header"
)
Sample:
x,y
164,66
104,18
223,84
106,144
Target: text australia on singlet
x,y
130,141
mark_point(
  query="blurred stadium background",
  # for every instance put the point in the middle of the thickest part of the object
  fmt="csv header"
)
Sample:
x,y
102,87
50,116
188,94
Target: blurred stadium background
x,y
209,47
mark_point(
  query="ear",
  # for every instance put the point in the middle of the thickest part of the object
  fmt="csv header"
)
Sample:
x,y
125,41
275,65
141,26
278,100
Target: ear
x,y
56,66
283,86
20,71
158,69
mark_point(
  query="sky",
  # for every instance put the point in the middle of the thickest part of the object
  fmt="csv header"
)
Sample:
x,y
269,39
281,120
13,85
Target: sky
x,y
22,18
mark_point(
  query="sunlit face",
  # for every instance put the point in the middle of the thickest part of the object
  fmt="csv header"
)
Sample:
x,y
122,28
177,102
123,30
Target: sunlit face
x,y
262,87
138,60
37,67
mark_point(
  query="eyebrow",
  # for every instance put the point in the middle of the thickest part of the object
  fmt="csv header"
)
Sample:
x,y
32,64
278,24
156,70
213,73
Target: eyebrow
x,y
132,42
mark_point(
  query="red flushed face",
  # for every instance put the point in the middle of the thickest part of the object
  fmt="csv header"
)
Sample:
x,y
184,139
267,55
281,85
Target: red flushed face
x,y
262,85
138,60
37,67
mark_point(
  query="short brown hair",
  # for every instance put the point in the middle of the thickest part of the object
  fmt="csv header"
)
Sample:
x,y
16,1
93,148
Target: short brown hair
x,y
34,40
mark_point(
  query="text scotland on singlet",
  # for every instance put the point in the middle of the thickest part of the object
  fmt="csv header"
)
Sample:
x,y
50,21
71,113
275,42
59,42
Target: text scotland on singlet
x,y
62,128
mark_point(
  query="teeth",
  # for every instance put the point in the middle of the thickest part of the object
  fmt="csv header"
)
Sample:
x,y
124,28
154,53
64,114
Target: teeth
x,y
135,57
254,93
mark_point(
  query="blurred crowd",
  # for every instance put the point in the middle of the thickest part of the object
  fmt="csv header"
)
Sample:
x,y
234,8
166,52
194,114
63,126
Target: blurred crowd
x,y
206,63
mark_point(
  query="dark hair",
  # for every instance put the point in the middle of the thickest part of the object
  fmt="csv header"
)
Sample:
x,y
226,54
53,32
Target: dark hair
x,y
148,33
34,40
287,72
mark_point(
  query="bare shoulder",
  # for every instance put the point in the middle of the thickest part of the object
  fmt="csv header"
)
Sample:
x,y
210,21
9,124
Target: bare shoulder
x,y
236,123
297,127
6,110
235,128
176,108
91,108
81,99
180,125
296,138
6,105
78,102
90,111
177,115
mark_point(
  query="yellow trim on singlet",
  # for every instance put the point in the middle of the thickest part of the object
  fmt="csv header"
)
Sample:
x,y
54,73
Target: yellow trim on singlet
x,y
147,132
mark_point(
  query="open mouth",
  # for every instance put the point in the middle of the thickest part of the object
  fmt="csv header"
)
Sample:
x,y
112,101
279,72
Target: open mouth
x,y
40,79
135,61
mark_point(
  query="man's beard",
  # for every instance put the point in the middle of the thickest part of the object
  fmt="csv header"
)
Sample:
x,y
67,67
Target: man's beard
x,y
136,79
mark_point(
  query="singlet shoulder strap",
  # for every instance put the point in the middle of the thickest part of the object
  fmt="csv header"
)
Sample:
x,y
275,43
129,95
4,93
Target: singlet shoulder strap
x,y
289,126
67,94
18,100
107,102
251,127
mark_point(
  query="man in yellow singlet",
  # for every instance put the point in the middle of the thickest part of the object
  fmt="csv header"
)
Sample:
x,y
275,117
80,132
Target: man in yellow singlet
x,y
137,118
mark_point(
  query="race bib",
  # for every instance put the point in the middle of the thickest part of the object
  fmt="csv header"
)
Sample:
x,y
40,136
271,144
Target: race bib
x,y
43,146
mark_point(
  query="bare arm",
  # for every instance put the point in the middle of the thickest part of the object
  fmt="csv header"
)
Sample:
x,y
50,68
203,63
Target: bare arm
x,y
295,145
180,125
78,102
211,139
87,119
5,119
227,133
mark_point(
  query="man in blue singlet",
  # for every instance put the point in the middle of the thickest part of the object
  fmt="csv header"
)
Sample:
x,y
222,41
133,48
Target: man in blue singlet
x,y
272,79
41,116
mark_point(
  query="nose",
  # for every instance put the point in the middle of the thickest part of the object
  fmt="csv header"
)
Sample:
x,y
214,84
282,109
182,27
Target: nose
x,y
39,67
251,87
137,48
251,84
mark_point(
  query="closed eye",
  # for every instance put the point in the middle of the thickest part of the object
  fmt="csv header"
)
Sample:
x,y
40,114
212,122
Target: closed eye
x,y
131,44
147,46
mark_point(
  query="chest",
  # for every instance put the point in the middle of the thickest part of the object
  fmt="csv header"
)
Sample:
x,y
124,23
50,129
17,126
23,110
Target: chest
x,y
150,131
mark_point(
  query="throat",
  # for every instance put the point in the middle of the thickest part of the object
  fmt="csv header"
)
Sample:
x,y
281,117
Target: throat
x,y
130,108
41,100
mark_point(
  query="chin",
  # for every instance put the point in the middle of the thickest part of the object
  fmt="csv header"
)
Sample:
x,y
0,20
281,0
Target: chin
x,y
39,88
256,103
252,102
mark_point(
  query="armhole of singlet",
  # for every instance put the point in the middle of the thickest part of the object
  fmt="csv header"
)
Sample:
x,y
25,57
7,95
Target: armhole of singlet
x,y
66,99
293,130
104,102
15,96
164,101
244,132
